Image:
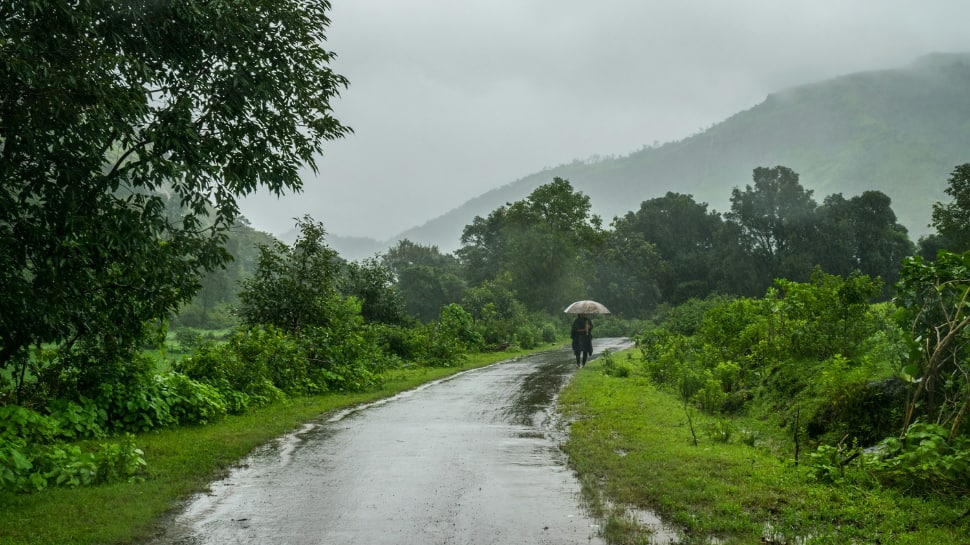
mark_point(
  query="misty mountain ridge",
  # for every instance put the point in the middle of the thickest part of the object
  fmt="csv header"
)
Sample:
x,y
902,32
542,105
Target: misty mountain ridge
x,y
899,131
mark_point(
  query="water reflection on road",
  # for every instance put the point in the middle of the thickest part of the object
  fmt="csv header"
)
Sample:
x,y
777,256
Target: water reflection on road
x,y
472,459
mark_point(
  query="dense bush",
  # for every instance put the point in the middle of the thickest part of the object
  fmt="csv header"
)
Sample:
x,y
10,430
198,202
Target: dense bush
x,y
924,461
812,348
242,364
496,311
34,453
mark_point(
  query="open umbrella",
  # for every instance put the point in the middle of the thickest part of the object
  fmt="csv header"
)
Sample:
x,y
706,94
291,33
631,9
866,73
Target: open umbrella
x,y
587,307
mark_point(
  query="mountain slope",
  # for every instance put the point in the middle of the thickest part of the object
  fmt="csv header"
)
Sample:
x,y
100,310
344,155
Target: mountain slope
x,y
897,131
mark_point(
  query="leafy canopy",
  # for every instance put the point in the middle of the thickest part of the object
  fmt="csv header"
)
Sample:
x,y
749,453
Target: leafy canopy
x,y
127,132
294,286
952,219
539,242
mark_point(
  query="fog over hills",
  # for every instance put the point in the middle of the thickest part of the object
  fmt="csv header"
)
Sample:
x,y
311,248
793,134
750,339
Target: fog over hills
x,y
898,131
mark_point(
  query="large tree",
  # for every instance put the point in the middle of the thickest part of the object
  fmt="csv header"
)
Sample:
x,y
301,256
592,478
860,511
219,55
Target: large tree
x,y
777,223
690,252
861,234
539,241
127,132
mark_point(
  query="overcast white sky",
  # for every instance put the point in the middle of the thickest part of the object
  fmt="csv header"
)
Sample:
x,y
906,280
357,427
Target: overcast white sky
x,y
451,98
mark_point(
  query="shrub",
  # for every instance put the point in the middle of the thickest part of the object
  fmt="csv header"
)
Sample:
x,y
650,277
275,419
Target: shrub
x,y
527,336
136,404
34,456
924,461
614,368
246,363
399,341
120,462
190,401
345,355
187,339
78,420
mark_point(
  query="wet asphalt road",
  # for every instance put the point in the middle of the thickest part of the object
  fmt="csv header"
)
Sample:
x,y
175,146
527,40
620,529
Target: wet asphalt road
x,y
472,459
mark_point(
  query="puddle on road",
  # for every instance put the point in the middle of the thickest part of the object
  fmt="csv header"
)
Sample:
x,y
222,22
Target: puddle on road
x,y
655,531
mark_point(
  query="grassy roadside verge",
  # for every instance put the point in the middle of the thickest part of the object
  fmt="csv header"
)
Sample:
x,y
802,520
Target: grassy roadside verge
x,y
181,462
631,445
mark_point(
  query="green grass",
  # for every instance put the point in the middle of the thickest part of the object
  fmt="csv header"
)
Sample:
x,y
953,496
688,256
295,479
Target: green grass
x,y
631,444
181,462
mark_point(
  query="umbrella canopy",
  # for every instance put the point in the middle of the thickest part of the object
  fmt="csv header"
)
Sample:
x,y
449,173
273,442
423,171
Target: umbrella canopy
x,y
587,307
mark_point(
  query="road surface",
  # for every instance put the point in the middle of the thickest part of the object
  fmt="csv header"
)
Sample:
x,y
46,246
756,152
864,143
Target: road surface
x,y
472,459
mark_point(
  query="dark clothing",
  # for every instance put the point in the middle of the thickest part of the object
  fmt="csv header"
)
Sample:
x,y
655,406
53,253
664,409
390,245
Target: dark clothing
x,y
582,334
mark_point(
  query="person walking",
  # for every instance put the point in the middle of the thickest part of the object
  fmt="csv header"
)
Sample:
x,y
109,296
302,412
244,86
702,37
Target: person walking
x,y
582,335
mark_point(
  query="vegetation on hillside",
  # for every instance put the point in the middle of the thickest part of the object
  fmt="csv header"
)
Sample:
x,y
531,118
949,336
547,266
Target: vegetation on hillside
x,y
898,132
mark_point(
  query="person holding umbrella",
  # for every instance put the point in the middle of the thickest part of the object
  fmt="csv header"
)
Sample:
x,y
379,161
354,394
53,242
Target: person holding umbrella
x,y
582,328
582,334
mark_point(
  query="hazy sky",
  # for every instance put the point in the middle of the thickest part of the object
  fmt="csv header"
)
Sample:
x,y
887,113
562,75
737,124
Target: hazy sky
x,y
451,98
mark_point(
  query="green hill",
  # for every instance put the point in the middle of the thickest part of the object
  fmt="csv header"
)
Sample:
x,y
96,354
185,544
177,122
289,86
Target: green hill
x,y
898,131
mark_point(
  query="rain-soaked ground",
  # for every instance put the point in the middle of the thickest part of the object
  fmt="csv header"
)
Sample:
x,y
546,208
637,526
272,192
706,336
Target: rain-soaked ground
x,y
472,459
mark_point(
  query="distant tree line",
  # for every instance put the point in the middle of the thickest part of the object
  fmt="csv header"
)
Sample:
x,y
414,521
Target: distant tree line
x,y
554,250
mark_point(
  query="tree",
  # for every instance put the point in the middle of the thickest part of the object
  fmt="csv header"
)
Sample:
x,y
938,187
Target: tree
x,y
538,241
692,253
373,283
294,287
861,234
952,220
627,274
428,279
495,308
777,222
115,114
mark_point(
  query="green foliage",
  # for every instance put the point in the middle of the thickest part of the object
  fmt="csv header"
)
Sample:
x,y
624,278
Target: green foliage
x,y
136,405
818,348
612,367
451,337
373,283
860,234
827,463
496,310
294,287
77,420
935,299
718,430
687,317
952,220
34,453
669,251
120,462
27,425
776,219
124,146
925,461
538,242
187,339
246,364
427,279
827,315
344,356
190,401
